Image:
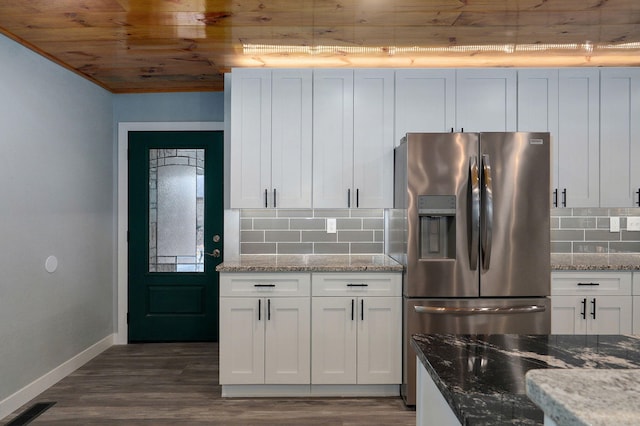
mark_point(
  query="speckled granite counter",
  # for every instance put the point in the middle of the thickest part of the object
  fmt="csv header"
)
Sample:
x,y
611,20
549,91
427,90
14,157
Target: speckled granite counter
x,y
595,267
587,397
311,263
483,377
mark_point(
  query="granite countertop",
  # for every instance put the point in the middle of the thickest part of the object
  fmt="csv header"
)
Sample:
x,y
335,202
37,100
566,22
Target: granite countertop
x,y
311,263
594,267
482,377
587,397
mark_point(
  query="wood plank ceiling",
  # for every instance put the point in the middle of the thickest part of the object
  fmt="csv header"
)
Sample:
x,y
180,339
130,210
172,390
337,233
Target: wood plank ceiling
x,y
187,45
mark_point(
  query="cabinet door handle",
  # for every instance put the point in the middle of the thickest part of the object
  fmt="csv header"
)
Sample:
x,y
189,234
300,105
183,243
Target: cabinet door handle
x,y
268,309
361,309
265,199
583,312
353,303
555,197
259,308
274,198
593,308
589,284
638,192
349,198
357,197
564,197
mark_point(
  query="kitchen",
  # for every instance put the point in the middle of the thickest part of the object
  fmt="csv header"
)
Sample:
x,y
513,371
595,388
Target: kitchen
x,y
73,110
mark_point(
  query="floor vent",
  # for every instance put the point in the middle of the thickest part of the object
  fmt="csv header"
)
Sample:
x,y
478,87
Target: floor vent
x,y
31,413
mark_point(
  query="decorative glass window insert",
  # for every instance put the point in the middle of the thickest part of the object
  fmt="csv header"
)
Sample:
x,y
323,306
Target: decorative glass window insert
x,y
176,210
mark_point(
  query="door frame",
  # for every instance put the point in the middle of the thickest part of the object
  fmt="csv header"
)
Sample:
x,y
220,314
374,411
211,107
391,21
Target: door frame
x,y
122,249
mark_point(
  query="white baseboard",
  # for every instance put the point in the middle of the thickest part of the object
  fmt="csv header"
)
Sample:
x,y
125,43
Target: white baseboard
x,y
245,391
35,388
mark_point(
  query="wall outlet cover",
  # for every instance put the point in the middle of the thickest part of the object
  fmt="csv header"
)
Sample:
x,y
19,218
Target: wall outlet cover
x,y
633,223
331,226
614,224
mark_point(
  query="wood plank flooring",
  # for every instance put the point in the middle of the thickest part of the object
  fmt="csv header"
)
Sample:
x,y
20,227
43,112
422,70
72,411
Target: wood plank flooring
x,y
177,384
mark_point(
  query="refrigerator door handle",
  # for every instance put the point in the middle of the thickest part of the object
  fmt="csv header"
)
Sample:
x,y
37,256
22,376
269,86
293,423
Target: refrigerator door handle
x,y
474,192
487,219
517,309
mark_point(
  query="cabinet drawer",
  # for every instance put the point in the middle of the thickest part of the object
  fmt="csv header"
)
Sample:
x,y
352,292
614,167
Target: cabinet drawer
x,y
356,284
596,283
287,284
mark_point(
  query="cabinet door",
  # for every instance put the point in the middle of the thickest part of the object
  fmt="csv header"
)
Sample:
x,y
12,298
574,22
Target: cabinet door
x,y
619,137
425,101
373,141
332,138
250,137
333,340
567,315
578,137
291,138
486,100
379,340
636,315
609,315
241,340
538,109
287,339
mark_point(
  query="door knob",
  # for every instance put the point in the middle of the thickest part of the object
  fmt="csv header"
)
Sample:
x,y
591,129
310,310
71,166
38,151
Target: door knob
x,y
216,238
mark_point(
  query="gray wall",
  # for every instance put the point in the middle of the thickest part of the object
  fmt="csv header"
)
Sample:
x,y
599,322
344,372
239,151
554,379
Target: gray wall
x,y
56,198
159,107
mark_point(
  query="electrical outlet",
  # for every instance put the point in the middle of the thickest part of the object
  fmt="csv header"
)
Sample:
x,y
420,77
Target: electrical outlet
x,y
614,224
633,223
331,226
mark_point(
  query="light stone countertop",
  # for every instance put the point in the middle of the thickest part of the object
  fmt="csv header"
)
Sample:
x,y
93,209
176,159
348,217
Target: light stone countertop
x,y
586,396
311,263
562,267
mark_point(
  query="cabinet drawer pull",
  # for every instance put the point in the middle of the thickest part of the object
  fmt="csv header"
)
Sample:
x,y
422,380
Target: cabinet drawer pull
x,y
259,308
357,285
583,312
268,309
593,308
362,309
638,192
564,197
555,197
265,199
349,198
274,198
589,284
264,285
357,197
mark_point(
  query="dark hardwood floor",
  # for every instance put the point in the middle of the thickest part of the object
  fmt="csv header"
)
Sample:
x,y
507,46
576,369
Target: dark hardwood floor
x,y
177,384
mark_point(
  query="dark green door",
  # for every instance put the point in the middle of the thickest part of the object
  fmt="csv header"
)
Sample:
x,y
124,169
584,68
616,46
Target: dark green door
x,y
175,235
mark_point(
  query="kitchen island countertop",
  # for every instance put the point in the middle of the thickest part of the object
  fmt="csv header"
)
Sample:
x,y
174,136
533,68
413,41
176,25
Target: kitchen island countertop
x,y
482,377
311,263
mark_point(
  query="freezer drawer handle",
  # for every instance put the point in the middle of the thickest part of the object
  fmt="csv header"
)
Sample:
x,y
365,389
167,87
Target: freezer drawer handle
x,y
264,285
589,284
357,285
518,309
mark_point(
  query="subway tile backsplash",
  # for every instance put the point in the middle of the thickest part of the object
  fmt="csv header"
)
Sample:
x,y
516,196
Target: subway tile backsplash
x,y
578,236
274,231
581,236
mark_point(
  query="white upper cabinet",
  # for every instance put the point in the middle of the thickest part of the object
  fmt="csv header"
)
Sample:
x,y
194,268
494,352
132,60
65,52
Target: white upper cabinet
x,y
373,141
538,111
486,100
271,138
424,101
578,138
352,138
619,137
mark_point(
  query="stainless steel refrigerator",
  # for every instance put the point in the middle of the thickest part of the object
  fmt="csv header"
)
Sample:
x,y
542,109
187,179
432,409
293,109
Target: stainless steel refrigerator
x,y
471,226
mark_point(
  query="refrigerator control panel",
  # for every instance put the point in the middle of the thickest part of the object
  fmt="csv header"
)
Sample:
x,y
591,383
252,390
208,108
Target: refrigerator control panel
x,y
437,205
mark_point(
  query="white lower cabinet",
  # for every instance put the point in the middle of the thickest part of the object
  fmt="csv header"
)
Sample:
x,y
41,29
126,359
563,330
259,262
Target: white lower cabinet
x,y
356,338
278,333
264,334
591,303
